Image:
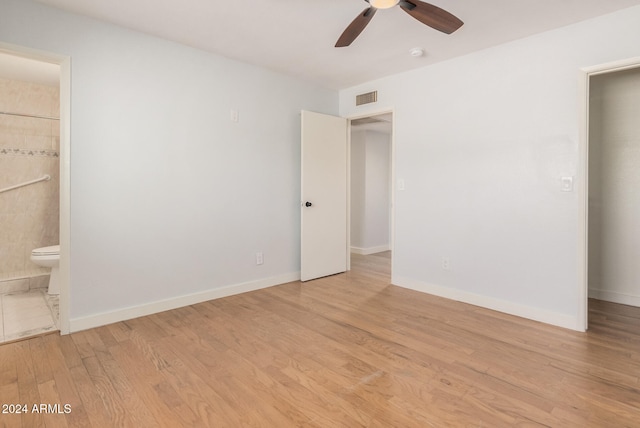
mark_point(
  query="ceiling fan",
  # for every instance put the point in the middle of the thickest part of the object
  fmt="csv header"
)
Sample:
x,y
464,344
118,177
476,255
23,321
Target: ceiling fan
x,y
426,13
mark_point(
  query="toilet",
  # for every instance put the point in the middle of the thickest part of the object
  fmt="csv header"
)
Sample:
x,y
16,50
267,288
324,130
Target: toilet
x,y
49,257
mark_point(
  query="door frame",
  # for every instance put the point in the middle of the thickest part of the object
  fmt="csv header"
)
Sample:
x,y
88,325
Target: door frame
x,y
583,176
392,173
65,168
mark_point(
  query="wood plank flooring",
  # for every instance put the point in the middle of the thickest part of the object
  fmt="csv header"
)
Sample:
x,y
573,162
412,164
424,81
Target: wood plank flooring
x,y
344,351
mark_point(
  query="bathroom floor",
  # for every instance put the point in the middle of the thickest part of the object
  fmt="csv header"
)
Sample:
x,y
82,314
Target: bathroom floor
x,y
26,314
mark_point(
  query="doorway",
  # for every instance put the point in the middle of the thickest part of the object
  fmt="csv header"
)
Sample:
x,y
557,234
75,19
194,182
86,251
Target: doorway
x,y
371,192
611,159
59,123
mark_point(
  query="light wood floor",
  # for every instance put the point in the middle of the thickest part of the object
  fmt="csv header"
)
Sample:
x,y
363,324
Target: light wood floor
x,y
344,351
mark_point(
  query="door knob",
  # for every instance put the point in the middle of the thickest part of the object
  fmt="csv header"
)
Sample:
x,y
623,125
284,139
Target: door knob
x,y
307,204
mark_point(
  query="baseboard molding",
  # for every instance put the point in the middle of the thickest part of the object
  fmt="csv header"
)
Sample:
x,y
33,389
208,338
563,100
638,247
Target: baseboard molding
x,y
97,320
511,308
370,250
614,297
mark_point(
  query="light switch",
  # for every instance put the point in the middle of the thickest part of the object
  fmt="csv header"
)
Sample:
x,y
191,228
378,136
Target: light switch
x,y
400,184
235,116
567,184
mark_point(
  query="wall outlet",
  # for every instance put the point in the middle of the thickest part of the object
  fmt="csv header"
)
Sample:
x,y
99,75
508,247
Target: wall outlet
x,y
566,184
259,258
446,263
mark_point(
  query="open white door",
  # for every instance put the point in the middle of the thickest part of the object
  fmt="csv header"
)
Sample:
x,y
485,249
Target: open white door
x,y
324,196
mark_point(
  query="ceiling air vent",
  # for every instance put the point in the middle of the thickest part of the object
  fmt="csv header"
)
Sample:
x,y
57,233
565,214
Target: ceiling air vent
x,y
369,97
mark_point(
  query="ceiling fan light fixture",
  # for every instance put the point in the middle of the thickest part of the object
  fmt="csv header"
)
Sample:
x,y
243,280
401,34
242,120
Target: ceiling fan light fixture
x,y
383,4
428,14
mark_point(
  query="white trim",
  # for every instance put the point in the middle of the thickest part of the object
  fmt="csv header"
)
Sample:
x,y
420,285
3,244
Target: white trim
x,y
348,193
65,196
612,67
370,250
583,178
583,204
523,311
615,297
97,320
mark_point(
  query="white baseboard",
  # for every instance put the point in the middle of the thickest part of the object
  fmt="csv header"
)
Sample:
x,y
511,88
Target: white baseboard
x,y
97,320
614,297
535,314
370,250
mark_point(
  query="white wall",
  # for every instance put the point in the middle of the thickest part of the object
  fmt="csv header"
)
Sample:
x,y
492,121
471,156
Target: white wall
x,y
358,188
481,142
169,197
614,179
370,195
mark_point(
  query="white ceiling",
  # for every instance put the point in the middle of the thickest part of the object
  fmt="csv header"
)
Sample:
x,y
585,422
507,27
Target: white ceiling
x,y
378,123
297,36
28,70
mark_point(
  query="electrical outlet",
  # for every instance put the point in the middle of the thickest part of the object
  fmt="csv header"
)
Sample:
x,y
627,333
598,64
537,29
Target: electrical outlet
x,y
259,258
567,184
446,263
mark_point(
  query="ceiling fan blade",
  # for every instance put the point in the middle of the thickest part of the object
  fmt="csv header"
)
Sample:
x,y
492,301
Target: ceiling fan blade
x,y
431,15
355,28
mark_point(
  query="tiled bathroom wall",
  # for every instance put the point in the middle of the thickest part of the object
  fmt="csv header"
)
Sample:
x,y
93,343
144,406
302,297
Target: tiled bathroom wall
x,y
29,149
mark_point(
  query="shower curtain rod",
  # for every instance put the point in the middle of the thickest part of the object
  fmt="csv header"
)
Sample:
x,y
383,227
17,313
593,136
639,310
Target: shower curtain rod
x,y
30,115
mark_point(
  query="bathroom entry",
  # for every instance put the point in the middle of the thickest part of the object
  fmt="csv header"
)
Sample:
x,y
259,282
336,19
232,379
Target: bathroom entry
x,y
614,176
368,188
29,193
370,185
